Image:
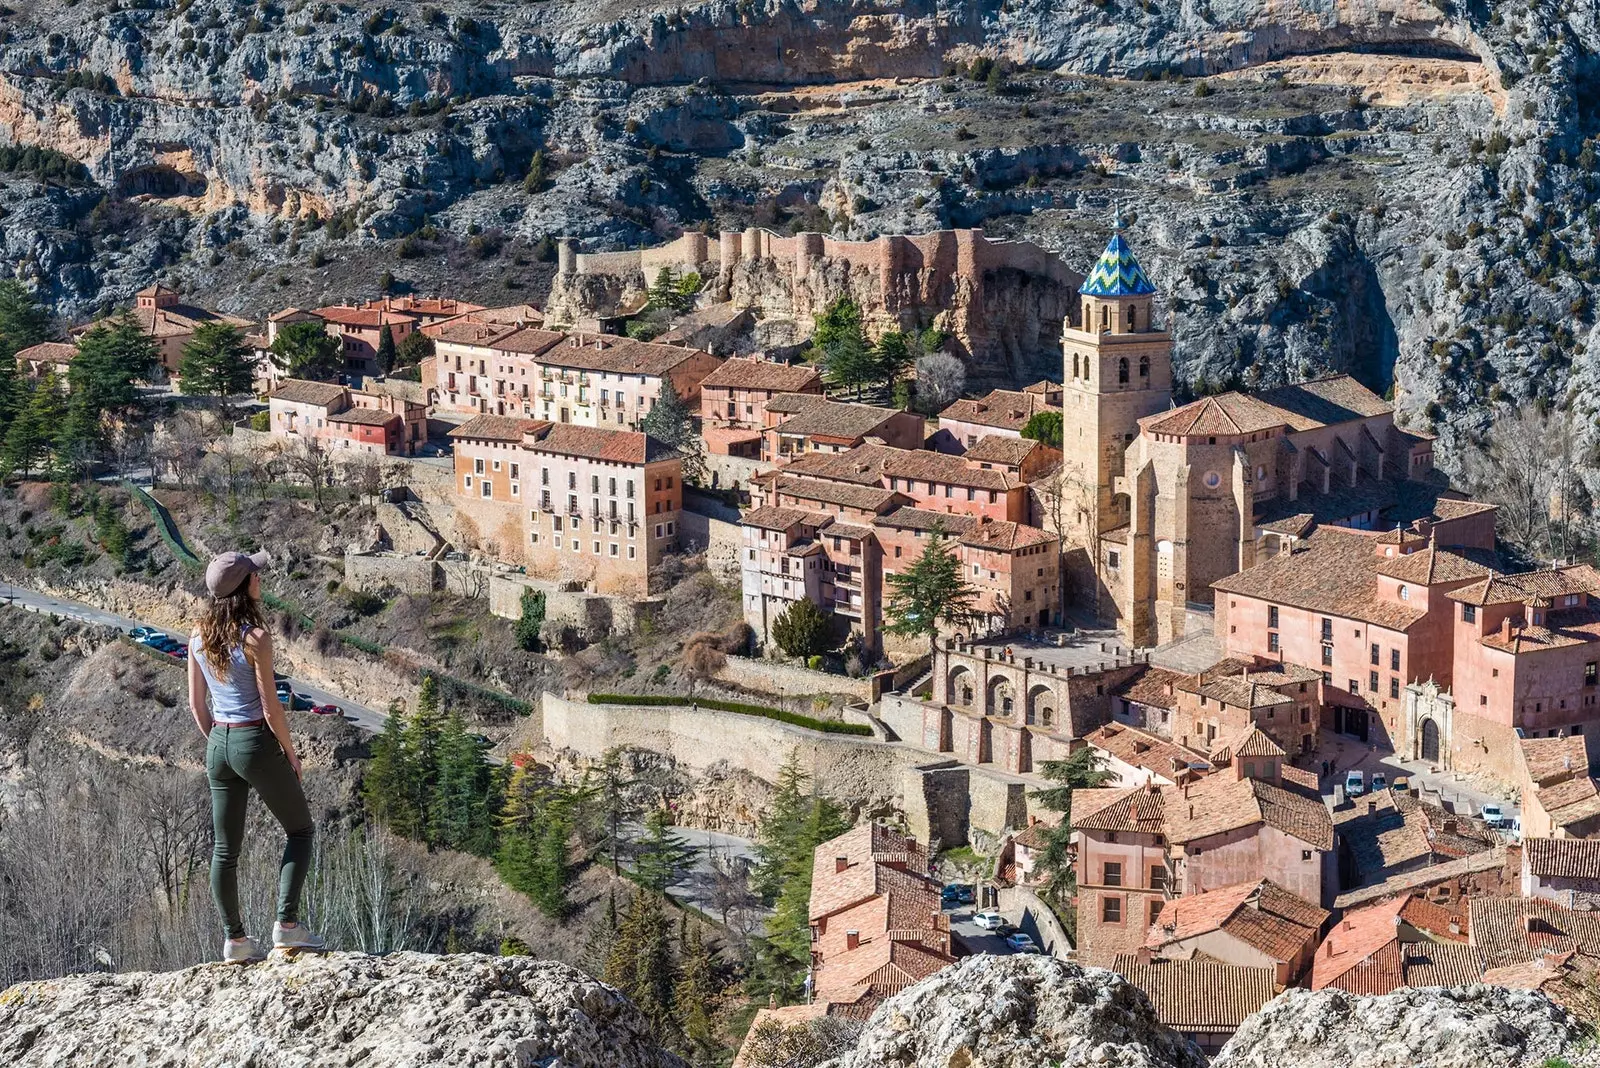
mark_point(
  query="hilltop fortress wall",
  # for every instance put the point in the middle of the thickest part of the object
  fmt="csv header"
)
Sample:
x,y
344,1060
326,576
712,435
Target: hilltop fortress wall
x,y
1002,301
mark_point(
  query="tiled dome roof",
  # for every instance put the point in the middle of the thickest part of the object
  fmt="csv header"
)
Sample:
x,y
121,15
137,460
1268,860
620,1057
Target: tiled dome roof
x,y
1117,274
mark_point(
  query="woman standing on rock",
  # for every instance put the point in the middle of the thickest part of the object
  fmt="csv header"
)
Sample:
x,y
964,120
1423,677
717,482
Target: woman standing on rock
x,y
247,748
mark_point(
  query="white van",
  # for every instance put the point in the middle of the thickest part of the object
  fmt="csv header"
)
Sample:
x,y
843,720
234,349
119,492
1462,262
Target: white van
x,y
1355,783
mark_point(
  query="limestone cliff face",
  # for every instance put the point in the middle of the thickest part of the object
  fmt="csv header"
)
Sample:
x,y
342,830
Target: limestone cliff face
x,y
406,1009
1397,189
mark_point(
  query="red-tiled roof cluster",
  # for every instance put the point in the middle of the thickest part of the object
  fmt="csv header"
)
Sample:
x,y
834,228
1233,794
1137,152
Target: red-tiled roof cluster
x,y
1004,409
1261,914
1199,996
740,373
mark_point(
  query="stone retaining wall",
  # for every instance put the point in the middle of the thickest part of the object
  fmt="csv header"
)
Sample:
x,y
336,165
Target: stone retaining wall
x,y
771,676
374,572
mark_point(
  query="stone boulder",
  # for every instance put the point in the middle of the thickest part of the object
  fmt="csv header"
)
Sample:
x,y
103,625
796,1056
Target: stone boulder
x,y
404,1009
1463,1027
1019,1012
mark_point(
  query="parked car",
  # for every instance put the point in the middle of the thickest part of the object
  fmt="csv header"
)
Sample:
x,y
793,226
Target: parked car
x,y
140,634
1513,829
1492,815
1355,783
327,710
1380,781
989,921
1401,785
1021,943
956,892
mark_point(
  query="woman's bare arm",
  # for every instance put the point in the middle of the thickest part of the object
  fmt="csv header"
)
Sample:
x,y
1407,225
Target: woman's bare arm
x,y
258,648
197,696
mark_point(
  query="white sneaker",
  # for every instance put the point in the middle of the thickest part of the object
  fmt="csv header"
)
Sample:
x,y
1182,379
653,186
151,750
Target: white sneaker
x,y
242,951
297,937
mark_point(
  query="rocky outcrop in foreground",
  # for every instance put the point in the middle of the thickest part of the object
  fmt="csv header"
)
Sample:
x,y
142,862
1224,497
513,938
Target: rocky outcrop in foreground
x,y
1465,1027
1020,1012
344,1009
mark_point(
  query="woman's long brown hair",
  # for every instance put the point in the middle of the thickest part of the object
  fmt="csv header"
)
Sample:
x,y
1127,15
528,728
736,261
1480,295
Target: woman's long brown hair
x,y
224,624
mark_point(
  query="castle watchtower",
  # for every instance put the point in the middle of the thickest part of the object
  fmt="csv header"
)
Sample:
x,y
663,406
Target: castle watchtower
x,y
1117,369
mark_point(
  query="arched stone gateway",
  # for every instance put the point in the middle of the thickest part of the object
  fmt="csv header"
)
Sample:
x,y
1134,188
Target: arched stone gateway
x,y
962,687
1430,741
1041,707
1002,699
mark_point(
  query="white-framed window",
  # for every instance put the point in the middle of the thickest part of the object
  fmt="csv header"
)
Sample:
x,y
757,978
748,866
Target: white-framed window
x,y
630,552
575,547
515,489
534,537
469,483
555,525
613,548
486,488
597,548
497,465
658,530
669,530
477,466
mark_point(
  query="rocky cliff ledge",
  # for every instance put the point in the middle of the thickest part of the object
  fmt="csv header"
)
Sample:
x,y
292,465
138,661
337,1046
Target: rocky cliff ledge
x,y
343,1009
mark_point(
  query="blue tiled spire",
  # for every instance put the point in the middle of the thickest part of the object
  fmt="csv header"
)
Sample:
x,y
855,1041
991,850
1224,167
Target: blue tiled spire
x,y
1117,273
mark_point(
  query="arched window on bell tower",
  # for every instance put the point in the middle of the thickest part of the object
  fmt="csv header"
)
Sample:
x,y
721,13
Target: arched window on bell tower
x,y
1133,319
1144,367
1122,370
1074,365
1105,317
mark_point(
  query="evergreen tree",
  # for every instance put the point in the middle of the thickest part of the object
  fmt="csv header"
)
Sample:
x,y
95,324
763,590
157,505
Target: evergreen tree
x,y
602,935
416,347
457,809
422,733
694,994
661,858
640,961
803,629
1045,428
386,350
307,350
216,362
779,830
22,321
111,358
848,363
930,591
671,423
893,356
1082,770
29,437
608,807
386,786
533,181
11,392
841,318
670,294
531,622
552,862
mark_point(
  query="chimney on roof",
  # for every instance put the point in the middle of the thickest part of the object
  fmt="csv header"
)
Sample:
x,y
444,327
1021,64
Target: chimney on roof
x,y
1372,806
840,864
1527,922
1142,955
852,939
1449,827
1455,925
1505,628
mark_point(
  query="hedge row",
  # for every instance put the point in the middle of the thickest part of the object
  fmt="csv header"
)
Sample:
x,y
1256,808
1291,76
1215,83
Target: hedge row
x,y
448,683
164,525
794,719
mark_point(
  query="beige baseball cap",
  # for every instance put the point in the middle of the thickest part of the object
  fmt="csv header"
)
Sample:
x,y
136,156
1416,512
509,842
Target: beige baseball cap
x,y
228,571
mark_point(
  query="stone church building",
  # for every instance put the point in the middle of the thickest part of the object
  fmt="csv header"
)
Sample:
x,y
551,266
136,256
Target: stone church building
x,y
1158,502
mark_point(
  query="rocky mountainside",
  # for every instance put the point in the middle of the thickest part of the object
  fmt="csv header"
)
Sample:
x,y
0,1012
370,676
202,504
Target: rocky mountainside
x,y
1399,189
343,1009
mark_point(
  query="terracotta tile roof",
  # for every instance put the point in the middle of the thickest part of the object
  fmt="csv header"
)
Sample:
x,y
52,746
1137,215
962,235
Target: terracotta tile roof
x,y
1381,836
518,314
868,498
1215,805
794,402
1004,536
611,354
997,449
1435,919
287,314
1002,408
1136,809
1554,760
872,464
763,374
1143,750
596,443
1431,565
1225,413
1247,741
1501,928
1405,539
1517,588
886,966
1570,802
365,318
836,420
156,290
1300,777
1334,572
48,352
1422,878
532,341
1562,858
1199,997
771,517
1261,914
430,306
365,417
1154,686
1562,628
1351,946
469,330
496,428
868,850
302,391
1441,964
1035,837
1450,835
1240,691
907,517
1305,406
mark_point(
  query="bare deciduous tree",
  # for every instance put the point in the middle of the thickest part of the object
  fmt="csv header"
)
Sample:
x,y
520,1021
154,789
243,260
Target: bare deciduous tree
x,y
1529,469
940,379
312,463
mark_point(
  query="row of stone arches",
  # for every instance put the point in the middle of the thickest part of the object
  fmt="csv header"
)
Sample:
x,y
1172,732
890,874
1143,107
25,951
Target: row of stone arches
x,y
1001,699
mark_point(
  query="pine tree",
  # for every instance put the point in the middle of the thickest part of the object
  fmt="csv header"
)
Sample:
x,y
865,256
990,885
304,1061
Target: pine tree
x,y
610,809
802,629
893,356
386,352
779,831
29,437
422,733
661,858
307,350
552,863
640,961
457,811
848,362
112,357
1080,771
671,423
386,786
694,994
930,591
216,362
1044,427
841,318
531,622
602,935
22,321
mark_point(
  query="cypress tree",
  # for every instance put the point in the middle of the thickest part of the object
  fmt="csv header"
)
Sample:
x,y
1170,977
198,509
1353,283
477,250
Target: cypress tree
x,y
386,351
